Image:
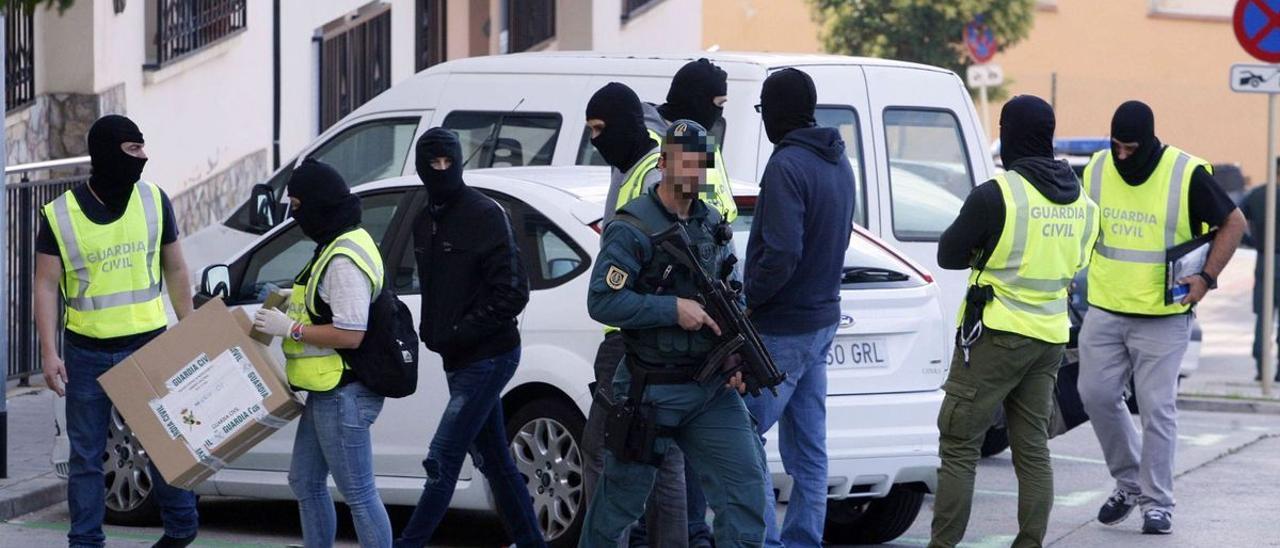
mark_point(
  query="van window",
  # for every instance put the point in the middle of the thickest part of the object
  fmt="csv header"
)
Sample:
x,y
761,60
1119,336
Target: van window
x,y
589,156
369,151
845,120
929,173
505,139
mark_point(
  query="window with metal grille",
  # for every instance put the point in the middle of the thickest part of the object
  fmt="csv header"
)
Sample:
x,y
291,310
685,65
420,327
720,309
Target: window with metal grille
x,y
429,33
631,7
183,27
530,22
19,57
355,62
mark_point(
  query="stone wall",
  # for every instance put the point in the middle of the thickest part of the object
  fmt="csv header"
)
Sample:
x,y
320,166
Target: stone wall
x,y
54,125
209,201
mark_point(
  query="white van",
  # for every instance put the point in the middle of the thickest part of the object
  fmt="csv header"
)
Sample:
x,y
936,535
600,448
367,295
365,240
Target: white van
x,y
912,133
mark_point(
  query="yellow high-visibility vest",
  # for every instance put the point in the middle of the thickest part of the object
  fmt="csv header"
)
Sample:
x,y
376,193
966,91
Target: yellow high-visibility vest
x,y
111,273
1139,223
1041,247
310,367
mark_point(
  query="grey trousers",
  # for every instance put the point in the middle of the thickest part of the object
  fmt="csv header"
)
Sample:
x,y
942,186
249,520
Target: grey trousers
x,y
666,518
1113,349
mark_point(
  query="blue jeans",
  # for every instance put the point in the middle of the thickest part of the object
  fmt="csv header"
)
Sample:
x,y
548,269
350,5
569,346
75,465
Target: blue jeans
x,y
800,411
88,420
333,438
711,426
473,422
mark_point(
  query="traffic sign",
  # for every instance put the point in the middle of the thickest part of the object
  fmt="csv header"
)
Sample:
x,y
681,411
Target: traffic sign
x,y
1257,27
981,41
1255,78
988,75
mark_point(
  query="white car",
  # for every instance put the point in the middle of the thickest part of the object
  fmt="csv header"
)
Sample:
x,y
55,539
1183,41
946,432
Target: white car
x,y
884,370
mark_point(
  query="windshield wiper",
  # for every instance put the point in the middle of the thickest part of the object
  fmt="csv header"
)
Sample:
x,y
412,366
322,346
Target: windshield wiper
x,y
867,274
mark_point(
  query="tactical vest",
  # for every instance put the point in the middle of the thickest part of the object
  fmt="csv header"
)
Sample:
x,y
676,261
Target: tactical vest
x,y
111,273
1041,247
311,367
717,177
670,345
1139,223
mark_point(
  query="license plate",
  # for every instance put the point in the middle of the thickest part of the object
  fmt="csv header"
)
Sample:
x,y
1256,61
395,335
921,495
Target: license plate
x,y
858,353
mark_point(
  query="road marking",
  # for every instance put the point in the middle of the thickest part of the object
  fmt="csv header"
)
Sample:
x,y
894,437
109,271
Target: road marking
x,y
1070,458
113,534
1071,500
995,541
1203,440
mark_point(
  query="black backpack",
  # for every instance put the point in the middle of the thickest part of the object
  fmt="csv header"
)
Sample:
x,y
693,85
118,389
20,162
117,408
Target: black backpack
x,y
387,359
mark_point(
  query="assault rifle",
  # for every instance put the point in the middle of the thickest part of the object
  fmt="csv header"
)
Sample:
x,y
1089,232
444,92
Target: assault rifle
x,y
737,333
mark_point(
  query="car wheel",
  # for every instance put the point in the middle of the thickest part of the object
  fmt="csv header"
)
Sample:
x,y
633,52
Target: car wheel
x,y
545,437
873,521
996,440
128,478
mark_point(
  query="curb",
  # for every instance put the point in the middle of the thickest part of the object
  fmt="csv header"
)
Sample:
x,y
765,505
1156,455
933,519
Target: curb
x,y
31,495
1225,405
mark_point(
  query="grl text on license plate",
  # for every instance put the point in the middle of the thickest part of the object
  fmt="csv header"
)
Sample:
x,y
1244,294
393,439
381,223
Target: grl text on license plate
x,y
858,353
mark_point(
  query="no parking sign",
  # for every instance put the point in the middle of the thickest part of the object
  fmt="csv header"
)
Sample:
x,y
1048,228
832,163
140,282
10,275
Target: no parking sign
x,y
1257,26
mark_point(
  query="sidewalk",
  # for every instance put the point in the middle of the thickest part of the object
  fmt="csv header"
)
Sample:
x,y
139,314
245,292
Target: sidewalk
x,y
1224,381
31,484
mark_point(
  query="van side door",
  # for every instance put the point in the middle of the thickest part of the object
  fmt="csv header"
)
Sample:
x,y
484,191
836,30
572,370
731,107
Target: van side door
x,y
929,154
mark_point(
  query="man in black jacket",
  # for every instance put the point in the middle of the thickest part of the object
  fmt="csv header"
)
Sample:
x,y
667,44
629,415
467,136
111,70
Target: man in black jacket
x,y
473,288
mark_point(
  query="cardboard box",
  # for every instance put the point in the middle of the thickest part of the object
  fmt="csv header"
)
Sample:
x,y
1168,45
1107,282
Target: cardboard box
x,y
201,394
278,300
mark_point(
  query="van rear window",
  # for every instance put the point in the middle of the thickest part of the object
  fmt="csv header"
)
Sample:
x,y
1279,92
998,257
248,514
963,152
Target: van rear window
x,y
929,173
505,139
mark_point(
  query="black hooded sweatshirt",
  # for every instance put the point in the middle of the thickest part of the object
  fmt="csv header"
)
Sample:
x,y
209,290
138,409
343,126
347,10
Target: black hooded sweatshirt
x,y
1026,140
112,171
470,270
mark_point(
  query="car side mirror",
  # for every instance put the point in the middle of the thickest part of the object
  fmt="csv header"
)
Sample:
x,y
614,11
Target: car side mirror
x,y
265,212
215,281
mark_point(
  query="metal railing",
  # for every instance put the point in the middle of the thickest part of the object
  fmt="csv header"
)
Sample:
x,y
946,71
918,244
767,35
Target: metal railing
x,y
185,26
531,22
355,63
19,58
24,199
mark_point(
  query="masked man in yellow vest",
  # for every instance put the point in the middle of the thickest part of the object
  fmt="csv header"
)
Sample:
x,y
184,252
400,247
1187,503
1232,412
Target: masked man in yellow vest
x,y
615,120
104,251
698,92
328,310
1025,234
1153,197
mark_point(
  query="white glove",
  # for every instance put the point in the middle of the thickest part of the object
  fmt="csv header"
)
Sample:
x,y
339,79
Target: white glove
x,y
272,322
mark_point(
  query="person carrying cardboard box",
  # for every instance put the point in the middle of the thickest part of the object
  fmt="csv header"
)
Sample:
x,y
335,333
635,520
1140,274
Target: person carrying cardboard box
x,y
103,251
329,310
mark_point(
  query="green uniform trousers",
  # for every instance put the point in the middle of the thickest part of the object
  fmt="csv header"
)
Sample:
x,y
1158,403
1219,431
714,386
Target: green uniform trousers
x,y
1004,369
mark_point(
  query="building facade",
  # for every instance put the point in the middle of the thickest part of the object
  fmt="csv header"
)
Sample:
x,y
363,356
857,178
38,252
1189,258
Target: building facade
x,y
1087,57
225,90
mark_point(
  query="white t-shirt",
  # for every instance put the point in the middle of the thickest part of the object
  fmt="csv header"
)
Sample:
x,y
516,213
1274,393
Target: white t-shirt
x,y
347,291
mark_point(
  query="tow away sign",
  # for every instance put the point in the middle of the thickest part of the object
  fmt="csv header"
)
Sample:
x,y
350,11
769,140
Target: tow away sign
x,y
1255,78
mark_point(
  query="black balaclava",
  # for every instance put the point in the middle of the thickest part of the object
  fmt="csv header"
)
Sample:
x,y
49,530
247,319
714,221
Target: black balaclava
x,y
1026,129
624,140
1135,123
787,102
442,186
693,92
114,172
328,209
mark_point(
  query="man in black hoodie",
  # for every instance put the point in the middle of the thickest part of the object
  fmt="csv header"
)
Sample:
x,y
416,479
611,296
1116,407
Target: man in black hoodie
x,y
795,260
473,288
1025,234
